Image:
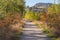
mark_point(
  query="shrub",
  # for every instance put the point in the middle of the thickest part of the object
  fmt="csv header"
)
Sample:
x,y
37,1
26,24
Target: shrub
x,y
10,27
10,19
52,18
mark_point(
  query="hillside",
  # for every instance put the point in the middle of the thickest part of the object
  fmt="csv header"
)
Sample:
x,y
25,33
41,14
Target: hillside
x,y
40,6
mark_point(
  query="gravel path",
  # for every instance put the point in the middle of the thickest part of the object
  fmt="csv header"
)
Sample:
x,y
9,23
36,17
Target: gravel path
x,y
32,32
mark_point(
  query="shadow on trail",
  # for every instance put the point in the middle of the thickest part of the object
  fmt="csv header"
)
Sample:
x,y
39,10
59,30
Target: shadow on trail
x,y
32,32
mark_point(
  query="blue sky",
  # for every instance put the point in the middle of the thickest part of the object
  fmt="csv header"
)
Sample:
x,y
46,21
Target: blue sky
x,y
33,2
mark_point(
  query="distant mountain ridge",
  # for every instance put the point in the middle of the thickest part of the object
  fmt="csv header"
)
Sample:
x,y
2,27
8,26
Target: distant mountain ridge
x,y
42,4
39,6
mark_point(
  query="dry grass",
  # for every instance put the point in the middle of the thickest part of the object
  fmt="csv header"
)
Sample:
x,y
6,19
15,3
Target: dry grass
x,y
53,24
10,27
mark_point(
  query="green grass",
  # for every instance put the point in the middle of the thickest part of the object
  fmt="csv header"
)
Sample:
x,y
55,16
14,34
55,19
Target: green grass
x,y
54,38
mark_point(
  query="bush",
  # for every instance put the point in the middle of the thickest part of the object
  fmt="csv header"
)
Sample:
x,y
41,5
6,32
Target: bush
x,y
10,19
10,27
52,18
54,24
53,21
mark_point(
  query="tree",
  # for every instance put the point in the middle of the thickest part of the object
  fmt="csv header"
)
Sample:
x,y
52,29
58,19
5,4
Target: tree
x,y
53,19
11,6
10,14
31,15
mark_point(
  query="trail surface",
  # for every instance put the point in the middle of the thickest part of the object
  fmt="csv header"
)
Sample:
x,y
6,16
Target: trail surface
x,y
32,32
